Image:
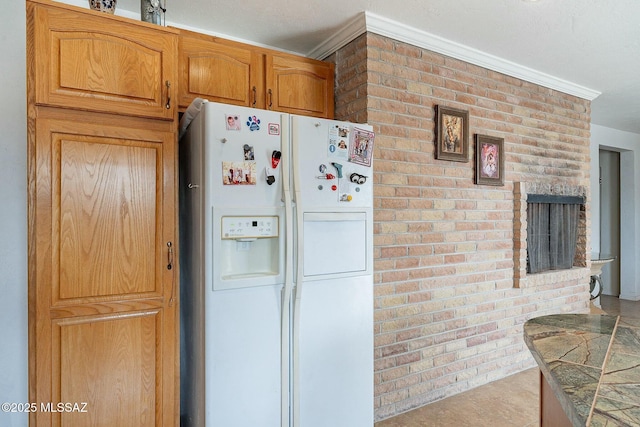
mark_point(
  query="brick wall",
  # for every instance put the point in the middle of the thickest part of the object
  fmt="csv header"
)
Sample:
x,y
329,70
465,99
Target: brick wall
x,y
448,316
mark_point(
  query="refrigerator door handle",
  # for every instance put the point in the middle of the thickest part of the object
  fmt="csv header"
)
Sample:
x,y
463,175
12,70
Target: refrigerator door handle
x,y
299,274
285,350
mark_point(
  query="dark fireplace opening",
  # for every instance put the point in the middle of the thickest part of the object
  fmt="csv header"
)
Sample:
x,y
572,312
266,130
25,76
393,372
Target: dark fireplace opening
x,y
552,231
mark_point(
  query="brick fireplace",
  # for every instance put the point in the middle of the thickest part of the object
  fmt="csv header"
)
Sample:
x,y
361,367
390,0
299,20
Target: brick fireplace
x,y
521,192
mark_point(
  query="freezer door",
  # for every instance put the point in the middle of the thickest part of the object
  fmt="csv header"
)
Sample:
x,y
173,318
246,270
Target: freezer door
x,y
334,243
243,149
243,357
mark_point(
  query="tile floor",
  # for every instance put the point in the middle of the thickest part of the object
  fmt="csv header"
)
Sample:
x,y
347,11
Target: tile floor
x,y
509,402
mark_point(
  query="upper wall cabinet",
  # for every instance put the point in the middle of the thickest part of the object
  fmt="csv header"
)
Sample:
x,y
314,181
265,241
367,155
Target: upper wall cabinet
x,y
235,73
96,62
299,85
219,71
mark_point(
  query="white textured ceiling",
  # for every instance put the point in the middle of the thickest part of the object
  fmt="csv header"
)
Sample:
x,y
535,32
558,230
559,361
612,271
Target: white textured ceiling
x,y
591,43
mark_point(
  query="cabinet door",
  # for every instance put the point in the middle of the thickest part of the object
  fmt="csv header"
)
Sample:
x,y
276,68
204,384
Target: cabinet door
x,y
102,283
299,85
219,71
90,61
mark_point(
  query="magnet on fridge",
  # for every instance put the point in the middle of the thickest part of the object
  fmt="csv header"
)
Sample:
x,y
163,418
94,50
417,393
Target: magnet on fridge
x,y
232,122
248,152
326,176
338,167
274,129
275,158
239,173
358,179
269,175
254,123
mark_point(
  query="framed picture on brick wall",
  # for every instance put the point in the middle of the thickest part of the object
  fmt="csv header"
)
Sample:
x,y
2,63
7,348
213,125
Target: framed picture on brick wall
x,y
452,134
489,160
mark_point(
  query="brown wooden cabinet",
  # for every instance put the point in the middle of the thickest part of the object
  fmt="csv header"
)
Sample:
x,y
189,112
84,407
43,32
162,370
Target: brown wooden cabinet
x,y
551,412
220,71
235,73
103,283
102,63
299,85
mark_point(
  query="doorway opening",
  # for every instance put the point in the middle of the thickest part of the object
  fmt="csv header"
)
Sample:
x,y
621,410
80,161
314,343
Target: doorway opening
x,y
610,214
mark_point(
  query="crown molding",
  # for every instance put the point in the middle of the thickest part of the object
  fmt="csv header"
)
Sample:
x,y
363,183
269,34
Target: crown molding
x,y
373,23
352,30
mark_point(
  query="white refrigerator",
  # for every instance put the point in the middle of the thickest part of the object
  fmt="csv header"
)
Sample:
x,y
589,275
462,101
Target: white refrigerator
x,y
276,253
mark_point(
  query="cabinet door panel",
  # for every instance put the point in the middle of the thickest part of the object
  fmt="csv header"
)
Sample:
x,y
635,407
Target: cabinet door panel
x,y
111,203
220,77
92,62
300,86
219,72
129,70
102,298
111,364
311,98
108,226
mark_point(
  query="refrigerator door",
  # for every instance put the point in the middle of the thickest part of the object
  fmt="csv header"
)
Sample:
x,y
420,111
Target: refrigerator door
x,y
333,308
244,256
243,377
336,353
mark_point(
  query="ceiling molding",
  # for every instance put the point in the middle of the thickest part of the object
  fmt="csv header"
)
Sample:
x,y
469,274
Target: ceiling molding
x,y
371,22
352,30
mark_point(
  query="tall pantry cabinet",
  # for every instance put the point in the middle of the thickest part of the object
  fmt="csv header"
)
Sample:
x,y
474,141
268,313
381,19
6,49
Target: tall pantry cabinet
x,y
102,227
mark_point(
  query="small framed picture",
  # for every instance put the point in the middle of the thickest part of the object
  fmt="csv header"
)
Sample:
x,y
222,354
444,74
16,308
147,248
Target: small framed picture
x,y
452,134
274,129
489,160
360,147
232,122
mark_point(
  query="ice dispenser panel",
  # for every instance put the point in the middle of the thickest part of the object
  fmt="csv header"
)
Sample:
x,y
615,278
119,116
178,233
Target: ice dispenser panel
x,y
249,248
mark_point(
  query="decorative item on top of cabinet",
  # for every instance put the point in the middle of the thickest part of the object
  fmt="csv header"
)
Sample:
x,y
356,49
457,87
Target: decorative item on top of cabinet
x,y
99,62
108,6
229,72
152,11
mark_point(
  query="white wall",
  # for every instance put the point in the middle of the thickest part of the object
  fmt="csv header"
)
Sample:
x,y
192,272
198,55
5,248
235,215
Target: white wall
x,y
628,145
13,212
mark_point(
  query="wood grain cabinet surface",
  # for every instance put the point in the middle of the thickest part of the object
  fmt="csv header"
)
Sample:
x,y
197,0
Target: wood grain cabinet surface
x,y
220,71
225,71
103,283
300,85
102,63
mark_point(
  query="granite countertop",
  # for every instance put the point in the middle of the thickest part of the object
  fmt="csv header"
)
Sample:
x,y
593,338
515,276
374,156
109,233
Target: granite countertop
x,y
592,363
